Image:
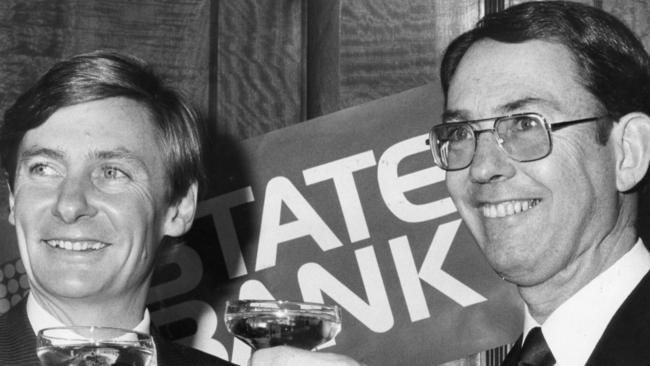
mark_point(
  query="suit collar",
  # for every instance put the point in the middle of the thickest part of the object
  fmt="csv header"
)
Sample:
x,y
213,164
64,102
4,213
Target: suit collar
x,y
17,339
626,340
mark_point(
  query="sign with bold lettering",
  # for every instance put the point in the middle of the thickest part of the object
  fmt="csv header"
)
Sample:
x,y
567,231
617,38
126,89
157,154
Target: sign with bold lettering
x,y
345,209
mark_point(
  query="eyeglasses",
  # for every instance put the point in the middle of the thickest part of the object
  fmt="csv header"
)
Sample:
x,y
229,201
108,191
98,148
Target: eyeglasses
x,y
524,137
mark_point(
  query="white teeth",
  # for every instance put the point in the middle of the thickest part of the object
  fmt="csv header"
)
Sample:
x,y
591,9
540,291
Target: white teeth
x,y
509,208
78,246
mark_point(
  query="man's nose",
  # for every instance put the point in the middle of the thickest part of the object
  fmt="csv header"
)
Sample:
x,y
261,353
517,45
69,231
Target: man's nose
x,y
73,201
490,163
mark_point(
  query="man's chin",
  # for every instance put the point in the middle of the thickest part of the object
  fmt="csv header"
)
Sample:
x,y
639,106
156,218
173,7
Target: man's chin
x,y
511,266
520,275
70,288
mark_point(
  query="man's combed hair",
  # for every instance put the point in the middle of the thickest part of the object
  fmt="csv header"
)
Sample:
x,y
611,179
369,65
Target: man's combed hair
x,y
106,74
612,63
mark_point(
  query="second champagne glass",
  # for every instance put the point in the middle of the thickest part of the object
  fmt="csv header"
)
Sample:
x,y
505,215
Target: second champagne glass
x,y
269,323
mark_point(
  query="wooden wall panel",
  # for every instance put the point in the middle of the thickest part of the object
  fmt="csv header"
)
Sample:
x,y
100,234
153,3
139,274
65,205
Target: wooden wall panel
x,y
171,35
323,59
260,65
388,46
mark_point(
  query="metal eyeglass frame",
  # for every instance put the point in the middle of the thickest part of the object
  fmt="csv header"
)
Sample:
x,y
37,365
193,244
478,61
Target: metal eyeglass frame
x,y
476,132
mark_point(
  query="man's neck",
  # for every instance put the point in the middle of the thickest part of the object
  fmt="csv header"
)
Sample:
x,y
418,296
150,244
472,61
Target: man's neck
x,y
542,299
120,313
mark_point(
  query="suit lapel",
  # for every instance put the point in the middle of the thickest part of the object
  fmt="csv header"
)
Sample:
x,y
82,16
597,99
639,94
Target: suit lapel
x,y
17,339
626,340
513,356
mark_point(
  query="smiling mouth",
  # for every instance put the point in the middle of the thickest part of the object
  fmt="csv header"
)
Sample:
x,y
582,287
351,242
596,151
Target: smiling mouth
x,y
508,208
76,245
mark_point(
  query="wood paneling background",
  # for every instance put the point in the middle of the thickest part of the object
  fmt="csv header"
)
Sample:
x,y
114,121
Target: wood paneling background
x,y
388,46
260,66
170,34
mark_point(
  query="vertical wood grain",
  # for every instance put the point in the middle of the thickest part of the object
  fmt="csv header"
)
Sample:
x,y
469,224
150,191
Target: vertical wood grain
x,y
323,59
388,46
172,35
261,66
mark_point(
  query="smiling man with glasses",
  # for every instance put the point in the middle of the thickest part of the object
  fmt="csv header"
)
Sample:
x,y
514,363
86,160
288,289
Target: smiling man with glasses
x,y
546,141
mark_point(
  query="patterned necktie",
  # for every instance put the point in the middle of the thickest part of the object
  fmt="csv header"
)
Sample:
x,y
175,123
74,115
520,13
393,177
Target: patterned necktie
x,y
535,351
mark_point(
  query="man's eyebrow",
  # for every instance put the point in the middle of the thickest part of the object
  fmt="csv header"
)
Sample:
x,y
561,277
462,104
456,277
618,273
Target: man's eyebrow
x,y
454,115
121,153
41,151
521,103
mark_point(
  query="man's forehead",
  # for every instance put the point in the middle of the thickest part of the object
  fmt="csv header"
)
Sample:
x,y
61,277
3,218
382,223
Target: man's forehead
x,y
496,78
509,106
105,129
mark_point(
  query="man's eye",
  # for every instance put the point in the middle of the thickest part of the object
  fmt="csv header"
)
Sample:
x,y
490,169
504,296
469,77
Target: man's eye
x,y
113,173
43,170
524,123
459,134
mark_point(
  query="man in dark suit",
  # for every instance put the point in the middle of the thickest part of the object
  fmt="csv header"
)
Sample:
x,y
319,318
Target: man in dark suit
x,y
546,141
103,163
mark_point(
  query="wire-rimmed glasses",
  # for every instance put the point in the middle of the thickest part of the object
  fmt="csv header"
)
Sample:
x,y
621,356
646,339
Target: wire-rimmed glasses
x,y
523,136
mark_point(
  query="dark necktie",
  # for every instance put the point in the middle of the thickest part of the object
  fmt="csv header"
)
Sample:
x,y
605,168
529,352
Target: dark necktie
x,y
535,351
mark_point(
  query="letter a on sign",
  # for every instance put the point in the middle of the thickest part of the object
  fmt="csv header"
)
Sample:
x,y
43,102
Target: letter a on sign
x,y
308,223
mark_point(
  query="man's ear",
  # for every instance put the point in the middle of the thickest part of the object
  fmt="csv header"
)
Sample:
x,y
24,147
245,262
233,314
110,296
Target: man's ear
x,y
632,138
181,214
12,216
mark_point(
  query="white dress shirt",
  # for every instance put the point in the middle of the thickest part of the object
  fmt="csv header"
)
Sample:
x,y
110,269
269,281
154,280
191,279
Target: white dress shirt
x,y
575,327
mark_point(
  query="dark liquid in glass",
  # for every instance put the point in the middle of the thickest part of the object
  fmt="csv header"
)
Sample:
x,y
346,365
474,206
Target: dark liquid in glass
x,y
267,329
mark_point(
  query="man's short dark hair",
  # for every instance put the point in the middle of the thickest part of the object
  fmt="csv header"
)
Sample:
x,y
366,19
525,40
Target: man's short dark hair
x,y
106,74
612,63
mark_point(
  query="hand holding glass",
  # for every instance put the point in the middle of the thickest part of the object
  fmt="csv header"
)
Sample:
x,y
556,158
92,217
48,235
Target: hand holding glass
x,y
93,346
269,323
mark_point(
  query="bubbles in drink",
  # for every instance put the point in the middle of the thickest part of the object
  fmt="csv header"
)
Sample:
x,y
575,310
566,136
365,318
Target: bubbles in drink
x,y
102,354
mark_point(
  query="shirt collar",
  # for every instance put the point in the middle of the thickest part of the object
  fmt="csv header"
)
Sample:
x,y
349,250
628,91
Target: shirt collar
x,y
39,318
575,327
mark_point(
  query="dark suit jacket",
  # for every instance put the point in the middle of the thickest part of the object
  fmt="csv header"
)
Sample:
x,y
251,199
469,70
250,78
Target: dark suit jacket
x,y
18,345
626,340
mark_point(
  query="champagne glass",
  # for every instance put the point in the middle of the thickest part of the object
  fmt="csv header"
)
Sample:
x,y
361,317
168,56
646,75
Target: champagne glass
x,y
94,346
268,323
